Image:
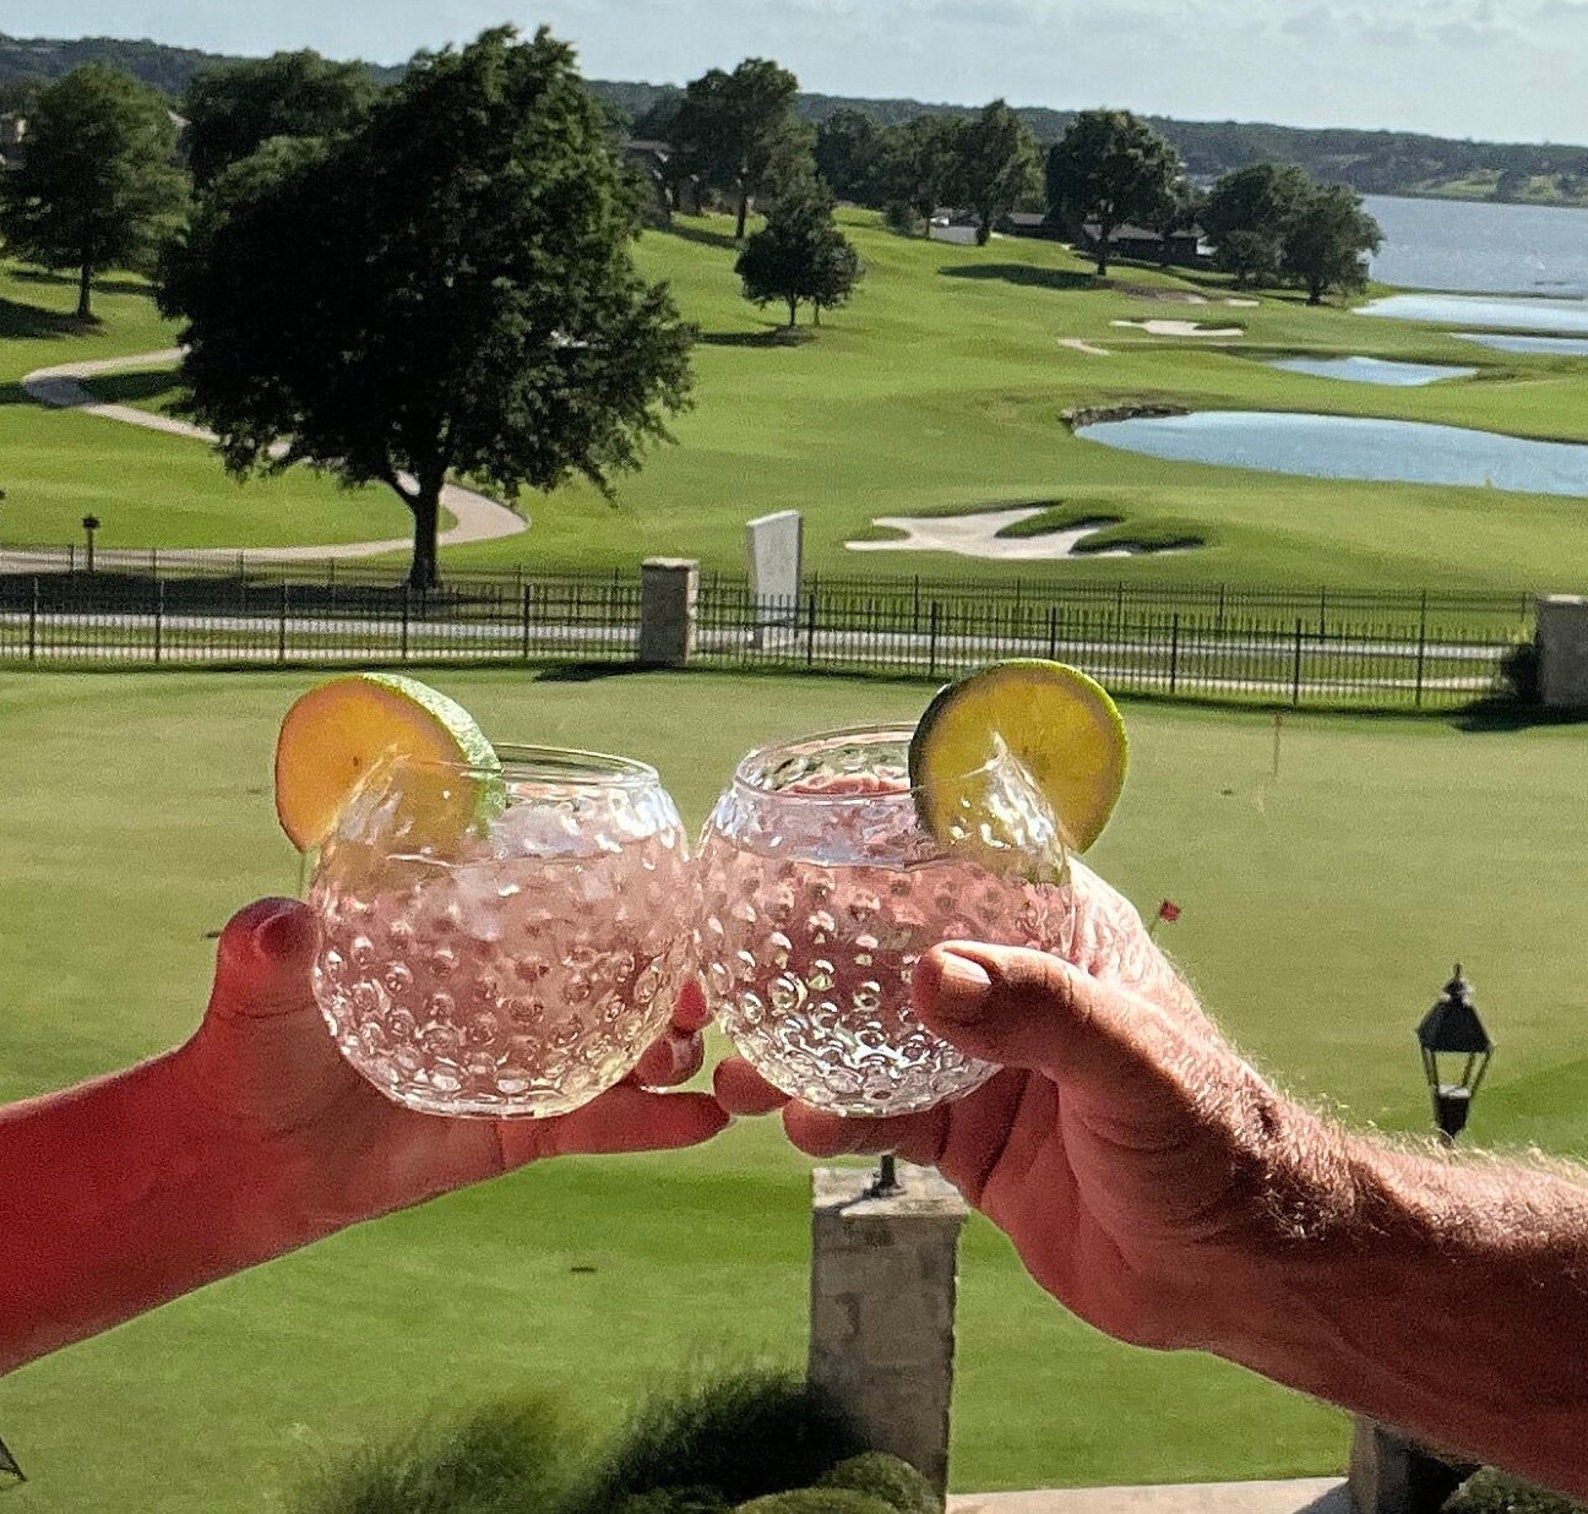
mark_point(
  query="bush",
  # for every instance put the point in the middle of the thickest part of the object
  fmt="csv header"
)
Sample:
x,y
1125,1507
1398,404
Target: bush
x,y
1492,1492
817,1501
745,1433
879,1475
900,216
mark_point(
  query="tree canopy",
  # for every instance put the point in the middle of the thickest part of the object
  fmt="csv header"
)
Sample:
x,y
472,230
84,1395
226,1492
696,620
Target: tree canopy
x,y
232,109
1248,215
800,257
98,187
1109,167
918,166
447,287
1327,241
729,127
998,168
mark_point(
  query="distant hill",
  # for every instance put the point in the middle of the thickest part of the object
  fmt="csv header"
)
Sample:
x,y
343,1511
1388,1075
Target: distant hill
x,y
1375,162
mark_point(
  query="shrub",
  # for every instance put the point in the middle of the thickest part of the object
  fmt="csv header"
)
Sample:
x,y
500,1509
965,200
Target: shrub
x,y
879,1475
817,1501
1492,1492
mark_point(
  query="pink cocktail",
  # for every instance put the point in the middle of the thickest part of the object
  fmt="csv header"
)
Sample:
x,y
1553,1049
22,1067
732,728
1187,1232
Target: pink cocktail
x,y
821,890
502,943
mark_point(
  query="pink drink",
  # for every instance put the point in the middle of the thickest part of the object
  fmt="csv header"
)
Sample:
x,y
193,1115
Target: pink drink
x,y
521,969
820,892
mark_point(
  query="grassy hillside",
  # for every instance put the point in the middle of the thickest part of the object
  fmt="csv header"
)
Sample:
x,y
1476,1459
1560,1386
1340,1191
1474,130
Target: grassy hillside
x,y
1323,910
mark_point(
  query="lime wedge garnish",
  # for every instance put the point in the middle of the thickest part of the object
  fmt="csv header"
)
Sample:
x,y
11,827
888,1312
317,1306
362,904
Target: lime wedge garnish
x,y
335,734
1059,728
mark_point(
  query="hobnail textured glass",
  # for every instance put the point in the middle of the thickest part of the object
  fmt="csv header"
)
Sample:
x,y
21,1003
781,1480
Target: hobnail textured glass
x,y
520,967
821,890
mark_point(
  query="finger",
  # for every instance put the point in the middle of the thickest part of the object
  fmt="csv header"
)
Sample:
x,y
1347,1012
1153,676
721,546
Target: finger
x,y
918,1138
263,961
740,1089
669,1061
1030,1009
624,1118
691,1012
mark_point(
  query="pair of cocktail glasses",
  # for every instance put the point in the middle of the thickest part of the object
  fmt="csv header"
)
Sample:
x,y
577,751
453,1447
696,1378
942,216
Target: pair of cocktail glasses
x,y
508,942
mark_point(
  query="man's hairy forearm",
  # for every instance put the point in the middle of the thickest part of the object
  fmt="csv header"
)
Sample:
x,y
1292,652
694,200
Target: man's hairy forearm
x,y
1446,1295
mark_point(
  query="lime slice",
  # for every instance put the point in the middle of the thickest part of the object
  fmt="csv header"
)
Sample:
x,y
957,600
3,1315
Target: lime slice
x,y
1058,725
333,735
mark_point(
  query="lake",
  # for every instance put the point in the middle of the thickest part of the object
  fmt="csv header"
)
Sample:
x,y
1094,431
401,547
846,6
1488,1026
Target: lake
x,y
1338,446
1481,247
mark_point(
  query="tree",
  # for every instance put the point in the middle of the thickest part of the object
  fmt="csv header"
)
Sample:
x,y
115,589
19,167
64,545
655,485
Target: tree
x,y
729,125
918,165
998,166
1109,167
1327,239
1248,215
448,287
1178,209
98,187
799,257
847,146
232,109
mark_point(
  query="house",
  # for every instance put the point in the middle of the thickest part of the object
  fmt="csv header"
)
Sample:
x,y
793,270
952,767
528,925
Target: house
x,y
1031,223
1188,248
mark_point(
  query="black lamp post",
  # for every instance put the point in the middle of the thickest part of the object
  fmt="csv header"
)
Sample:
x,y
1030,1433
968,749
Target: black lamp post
x,y
1452,1030
90,525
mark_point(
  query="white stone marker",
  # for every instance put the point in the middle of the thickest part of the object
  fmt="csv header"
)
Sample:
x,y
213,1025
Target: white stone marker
x,y
774,548
883,1279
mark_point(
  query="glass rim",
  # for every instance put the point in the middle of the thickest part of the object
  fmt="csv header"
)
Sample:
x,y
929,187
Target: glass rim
x,y
900,734
521,762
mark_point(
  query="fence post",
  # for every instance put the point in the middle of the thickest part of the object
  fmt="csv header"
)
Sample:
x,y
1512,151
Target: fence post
x,y
1053,632
810,627
1323,612
407,595
1174,653
281,633
669,611
33,622
1422,652
931,646
1295,680
159,616
524,595
1220,624
915,614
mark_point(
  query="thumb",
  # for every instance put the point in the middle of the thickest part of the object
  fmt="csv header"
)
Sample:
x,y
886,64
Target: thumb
x,y
262,962
1024,1008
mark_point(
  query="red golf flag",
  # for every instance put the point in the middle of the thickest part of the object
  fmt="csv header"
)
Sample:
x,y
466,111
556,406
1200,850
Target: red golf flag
x,y
1169,911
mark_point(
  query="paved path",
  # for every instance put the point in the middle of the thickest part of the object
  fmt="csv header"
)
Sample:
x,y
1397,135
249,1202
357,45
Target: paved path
x,y
1312,1495
475,517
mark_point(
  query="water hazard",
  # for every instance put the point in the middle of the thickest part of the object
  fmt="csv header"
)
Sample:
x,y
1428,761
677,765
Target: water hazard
x,y
1568,317
1371,370
1349,447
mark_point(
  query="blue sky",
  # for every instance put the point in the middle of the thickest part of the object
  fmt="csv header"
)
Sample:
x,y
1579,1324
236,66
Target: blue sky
x,y
1513,70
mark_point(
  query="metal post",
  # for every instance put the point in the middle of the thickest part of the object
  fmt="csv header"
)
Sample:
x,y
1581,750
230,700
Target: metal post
x,y
281,634
33,622
407,591
1422,653
1174,653
1295,681
159,616
810,630
524,593
1053,632
931,646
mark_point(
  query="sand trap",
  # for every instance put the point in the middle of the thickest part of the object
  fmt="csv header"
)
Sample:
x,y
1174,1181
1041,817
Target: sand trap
x,y
1180,328
1075,344
977,536
1242,304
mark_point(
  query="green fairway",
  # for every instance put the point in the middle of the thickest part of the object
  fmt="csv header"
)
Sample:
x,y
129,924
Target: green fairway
x,y
939,390
1322,911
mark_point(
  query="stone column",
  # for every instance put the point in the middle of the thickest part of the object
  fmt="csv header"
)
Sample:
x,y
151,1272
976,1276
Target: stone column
x,y
883,1276
1391,1474
668,589
1563,651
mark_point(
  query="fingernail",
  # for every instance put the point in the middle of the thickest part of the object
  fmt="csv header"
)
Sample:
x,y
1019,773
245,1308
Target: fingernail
x,y
283,935
962,987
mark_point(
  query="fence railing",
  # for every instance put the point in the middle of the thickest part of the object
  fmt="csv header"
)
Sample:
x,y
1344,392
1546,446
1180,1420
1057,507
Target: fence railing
x,y
1328,648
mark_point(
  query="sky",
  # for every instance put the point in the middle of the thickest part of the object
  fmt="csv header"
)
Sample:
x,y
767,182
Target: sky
x,y
1507,70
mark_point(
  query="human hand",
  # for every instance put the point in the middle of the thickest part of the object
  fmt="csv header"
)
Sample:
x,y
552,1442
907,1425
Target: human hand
x,y
322,1148
1141,1168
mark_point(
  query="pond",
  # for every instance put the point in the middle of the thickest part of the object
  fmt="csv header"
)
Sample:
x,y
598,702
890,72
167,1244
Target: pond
x,y
1483,310
1549,346
1371,370
1349,447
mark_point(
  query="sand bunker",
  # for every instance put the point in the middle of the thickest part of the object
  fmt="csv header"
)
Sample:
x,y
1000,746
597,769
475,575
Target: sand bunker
x,y
977,536
1181,328
1075,344
1243,304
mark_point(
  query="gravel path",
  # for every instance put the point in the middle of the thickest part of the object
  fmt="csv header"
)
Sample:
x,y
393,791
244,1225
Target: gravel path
x,y
475,517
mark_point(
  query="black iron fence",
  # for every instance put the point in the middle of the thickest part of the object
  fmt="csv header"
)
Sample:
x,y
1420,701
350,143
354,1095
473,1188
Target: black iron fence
x,y
1319,648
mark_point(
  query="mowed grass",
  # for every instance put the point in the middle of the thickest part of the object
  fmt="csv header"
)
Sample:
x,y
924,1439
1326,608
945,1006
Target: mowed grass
x,y
939,389
1323,908
147,490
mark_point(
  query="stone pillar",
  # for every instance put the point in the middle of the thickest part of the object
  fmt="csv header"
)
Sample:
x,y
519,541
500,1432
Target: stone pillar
x,y
1391,1474
883,1274
1563,651
668,589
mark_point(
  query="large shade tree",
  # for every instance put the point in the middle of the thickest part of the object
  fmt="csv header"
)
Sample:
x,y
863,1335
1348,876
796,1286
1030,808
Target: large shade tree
x,y
1248,215
447,288
919,166
730,126
98,186
1329,241
232,109
999,166
800,256
1109,167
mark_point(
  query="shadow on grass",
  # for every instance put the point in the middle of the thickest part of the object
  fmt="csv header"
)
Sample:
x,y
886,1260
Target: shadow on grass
x,y
703,235
101,286
1057,279
590,672
134,388
1489,716
32,322
770,336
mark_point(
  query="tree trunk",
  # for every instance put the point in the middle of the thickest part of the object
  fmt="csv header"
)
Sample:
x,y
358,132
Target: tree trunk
x,y
793,306
1314,294
425,503
1103,230
816,314
744,212
85,284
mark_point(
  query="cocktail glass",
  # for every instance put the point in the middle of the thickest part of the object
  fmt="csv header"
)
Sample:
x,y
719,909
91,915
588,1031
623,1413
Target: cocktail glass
x,y
501,943
820,891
